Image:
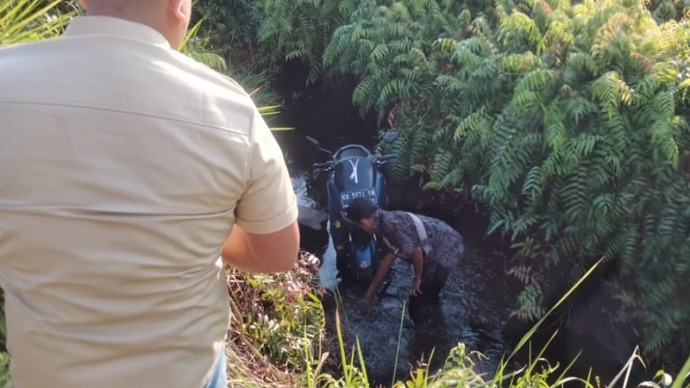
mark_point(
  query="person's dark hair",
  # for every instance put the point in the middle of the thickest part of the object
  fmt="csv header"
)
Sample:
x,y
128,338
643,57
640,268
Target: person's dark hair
x,y
359,209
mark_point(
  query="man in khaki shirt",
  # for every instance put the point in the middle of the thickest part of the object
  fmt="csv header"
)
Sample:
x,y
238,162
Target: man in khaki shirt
x,y
124,167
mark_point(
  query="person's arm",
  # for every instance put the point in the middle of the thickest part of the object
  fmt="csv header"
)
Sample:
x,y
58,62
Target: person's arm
x,y
417,259
381,272
265,236
273,252
409,247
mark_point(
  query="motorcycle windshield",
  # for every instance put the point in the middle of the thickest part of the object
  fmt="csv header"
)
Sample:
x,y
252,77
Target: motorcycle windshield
x,y
355,177
352,151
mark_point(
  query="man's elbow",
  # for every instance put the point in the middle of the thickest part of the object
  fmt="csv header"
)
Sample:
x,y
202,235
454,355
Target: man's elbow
x,y
278,252
280,263
279,260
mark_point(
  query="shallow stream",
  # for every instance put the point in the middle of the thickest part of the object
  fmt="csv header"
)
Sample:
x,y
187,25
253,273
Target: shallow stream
x,y
472,307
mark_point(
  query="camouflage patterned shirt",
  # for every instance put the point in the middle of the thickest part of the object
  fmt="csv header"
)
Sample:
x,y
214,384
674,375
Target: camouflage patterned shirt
x,y
398,228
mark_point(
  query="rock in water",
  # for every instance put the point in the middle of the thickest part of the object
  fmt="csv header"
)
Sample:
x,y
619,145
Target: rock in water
x,y
312,218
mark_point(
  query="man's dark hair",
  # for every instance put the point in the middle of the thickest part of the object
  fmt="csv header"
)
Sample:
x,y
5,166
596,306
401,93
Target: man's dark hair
x,y
359,209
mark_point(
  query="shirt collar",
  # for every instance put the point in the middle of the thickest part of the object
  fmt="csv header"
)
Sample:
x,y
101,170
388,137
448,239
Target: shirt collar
x,y
105,25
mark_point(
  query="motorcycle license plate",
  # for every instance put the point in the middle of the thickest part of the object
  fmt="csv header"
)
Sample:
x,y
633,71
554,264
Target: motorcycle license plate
x,y
347,197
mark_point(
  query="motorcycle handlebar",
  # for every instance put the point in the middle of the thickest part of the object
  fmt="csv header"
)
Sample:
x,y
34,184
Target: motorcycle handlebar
x,y
385,158
321,167
326,166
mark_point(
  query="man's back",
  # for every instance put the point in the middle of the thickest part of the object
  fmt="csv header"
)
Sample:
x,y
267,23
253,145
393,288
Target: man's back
x,y
122,163
446,242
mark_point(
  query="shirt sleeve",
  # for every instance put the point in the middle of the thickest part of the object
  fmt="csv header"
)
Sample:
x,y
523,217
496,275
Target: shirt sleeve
x,y
269,203
408,242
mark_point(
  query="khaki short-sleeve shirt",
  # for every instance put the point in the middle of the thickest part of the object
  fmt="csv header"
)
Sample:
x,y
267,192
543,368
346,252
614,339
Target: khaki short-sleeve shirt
x,y
123,167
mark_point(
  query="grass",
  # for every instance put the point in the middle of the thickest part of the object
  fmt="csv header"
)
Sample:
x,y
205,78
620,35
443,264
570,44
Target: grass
x,y
317,368
30,20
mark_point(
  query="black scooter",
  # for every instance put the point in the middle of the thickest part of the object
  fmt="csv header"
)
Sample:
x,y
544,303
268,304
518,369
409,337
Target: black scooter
x,y
354,172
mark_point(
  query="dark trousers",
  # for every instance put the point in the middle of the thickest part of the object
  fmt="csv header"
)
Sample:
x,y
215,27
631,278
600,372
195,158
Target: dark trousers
x,y
434,277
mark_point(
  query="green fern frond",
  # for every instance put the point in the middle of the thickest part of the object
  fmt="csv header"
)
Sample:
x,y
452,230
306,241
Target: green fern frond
x,y
555,128
534,80
664,103
442,165
365,94
532,185
611,91
518,23
521,62
469,123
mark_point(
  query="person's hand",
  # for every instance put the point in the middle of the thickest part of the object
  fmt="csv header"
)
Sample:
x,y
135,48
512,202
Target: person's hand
x,y
370,297
415,290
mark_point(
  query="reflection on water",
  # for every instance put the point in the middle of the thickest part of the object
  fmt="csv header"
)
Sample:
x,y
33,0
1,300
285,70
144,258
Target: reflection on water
x,y
328,272
301,186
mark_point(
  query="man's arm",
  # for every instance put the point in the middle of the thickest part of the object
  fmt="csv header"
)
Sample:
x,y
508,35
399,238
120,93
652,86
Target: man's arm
x,y
272,252
265,236
417,259
381,272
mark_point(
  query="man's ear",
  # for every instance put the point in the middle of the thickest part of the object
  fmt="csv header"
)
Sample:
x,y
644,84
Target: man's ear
x,y
177,10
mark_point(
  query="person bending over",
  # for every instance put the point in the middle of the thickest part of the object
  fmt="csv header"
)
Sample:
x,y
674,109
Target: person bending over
x,y
430,245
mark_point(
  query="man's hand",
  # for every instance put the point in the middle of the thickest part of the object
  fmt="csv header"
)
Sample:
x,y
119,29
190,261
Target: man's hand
x,y
370,297
381,271
418,262
415,290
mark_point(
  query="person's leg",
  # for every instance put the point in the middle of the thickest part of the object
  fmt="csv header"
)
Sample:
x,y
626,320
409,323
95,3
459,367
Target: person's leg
x,y
414,308
433,280
219,379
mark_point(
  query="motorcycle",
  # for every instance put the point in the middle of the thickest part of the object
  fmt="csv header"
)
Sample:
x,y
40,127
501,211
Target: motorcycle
x,y
354,172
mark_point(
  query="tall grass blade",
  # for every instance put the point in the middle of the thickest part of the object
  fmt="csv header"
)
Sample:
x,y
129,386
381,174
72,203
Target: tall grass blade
x,y
561,377
626,368
563,382
191,33
397,348
360,356
309,359
682,376
340,306
23,21
341,347
534,360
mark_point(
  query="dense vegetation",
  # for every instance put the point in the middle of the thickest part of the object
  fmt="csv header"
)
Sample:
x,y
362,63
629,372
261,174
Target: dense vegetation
x,y
567,119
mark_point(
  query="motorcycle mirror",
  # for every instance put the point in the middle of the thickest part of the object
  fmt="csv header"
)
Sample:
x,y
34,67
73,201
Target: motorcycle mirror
x,y
314,142
390,136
